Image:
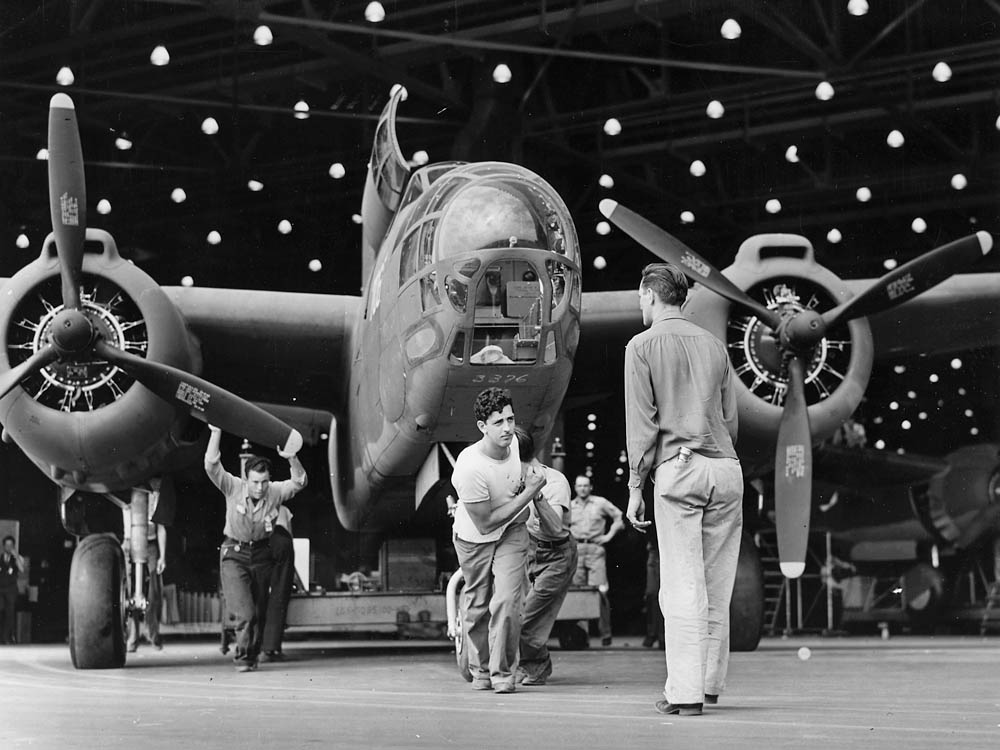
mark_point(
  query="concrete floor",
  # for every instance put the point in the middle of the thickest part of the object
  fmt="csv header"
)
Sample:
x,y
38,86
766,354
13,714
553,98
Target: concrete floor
x,y
908,692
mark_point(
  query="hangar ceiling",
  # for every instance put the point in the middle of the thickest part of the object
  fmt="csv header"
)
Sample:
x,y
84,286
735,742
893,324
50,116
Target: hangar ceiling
x,y
653,66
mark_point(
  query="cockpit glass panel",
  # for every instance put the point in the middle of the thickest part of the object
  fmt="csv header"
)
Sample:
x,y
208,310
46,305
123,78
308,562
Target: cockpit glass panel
x,y
508,314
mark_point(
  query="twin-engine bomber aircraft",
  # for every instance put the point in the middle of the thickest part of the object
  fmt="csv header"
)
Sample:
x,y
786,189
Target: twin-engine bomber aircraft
x,y
472,278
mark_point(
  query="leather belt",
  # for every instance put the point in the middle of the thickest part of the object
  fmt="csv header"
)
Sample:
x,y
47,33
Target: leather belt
x,y
249,545
551,545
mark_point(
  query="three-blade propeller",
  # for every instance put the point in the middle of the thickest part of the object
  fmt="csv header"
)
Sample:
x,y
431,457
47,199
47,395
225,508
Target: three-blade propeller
x,y
798,333
73,334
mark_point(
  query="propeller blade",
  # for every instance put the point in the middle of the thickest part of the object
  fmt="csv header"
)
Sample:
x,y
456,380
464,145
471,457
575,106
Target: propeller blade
x,y
26,369
669,248
205,401
793,475
913,278
67,195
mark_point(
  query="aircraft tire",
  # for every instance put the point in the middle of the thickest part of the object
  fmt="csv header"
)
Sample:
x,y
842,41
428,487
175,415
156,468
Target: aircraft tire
x,y
746,609
462,647
97,604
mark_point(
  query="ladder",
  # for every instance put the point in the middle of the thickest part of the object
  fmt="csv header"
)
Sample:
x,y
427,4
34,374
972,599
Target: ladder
x,y
775,584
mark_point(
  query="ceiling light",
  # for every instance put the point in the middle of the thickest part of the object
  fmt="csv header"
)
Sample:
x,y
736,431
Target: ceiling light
x,y
969,412
606,181
187,281
337,170
834,236
933,377
22,241
918,225
600,264
159,56
42,155
209,126
905,424
895,139
961,391
687,217
285,226
374,13
715,110
894,405
956,364
177,195
922,415
122,143
255,186
880,444
958,181
773,206
824,91
997,123
889,263
213,238
857,7
612,126
911,395
315,265
104,206
356,218
697,168
301,110
899,369
863,194
792,154
974,431
262,36
65,76
730,29
501,73
941,72
420,157
603,228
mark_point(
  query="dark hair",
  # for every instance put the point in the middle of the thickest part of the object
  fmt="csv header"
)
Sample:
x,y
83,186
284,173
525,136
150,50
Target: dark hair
x,y
9,537
667,281
525,443
491,400
258,464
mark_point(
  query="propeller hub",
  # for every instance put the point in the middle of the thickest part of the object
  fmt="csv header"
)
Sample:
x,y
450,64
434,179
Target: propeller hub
x,y
72,331
803,331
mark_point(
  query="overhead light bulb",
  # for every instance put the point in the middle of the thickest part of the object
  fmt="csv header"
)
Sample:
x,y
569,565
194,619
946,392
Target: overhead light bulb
x,y
104,206
22,241
501,73
730,29
603,228
420,157
262,36
941,72
122,143
177,195
899,369
315,265
396,87
857,7
997,123
880,444
255,186
606,181
301,110
905,424
374,12
209,126
697,168
889,263
612,126
356,218
773,206
337,170
956,364
159,56
958,181
65,76
824,91
895,139
918,225
715,110
42,155
214,238
285,226
792,154
863,194
834,236
894,405
187,281
600,264
687,217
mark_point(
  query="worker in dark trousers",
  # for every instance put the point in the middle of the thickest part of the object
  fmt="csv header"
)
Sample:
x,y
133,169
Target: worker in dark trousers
x,y
11,565
282,577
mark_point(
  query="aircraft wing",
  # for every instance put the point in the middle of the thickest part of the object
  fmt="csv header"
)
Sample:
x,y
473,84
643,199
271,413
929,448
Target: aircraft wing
x,y
866,470
280,347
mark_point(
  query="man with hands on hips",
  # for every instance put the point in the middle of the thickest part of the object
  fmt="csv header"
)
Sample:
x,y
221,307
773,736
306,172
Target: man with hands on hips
x,y
252,506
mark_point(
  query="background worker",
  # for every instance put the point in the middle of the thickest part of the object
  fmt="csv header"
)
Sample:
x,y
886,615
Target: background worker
x,y
595,522
551,565
11,566
156,563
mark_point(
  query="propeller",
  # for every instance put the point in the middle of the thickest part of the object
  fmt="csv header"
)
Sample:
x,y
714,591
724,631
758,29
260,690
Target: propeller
x,y
797,333
73,335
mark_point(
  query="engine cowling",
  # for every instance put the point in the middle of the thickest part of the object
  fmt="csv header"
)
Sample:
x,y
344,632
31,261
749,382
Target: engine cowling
x,y
84,422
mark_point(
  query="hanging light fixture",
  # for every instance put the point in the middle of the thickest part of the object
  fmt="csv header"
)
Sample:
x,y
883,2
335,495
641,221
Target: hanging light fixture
x,y
958,181
863,194
773,206
420,157
22,241
687,217
262,36
255,186
213,238
834,236
606,181
792,154
374,12
857,7
177,195
159,56
187,281
301,110
730,29
697,168
123,142
715,110
824,91
285,226
337,170
65,76
209,126
501,73
104,206
600,264
895,139
941,72
603,228
612,126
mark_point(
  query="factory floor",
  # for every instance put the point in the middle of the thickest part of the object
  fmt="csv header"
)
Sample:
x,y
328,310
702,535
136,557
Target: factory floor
x,y
799,692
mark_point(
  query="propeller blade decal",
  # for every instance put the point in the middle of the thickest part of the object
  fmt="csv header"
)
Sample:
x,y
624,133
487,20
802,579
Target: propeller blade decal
x,y
669,248
67,195
205,401
793,475
26,369
913,278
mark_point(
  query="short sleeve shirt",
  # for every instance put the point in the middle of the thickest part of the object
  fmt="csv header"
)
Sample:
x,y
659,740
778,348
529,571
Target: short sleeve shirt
x,y
477,478
557,493
590,517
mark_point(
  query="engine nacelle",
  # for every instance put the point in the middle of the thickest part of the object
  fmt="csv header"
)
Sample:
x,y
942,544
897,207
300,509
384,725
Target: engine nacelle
x,y
85,423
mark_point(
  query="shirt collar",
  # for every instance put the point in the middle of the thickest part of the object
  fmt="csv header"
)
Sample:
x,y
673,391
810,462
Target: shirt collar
x,y
668,315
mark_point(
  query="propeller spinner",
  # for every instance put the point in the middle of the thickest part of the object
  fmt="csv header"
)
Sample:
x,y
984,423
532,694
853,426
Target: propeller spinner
x,y
798,332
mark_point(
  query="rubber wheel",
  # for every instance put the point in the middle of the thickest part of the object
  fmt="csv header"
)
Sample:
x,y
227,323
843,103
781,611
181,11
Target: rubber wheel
x,y
461,642
746,608
97,604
